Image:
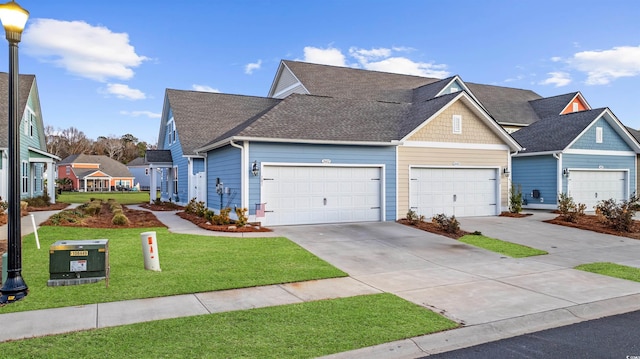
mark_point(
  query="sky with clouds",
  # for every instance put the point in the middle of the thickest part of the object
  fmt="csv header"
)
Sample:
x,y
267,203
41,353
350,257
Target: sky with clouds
x,y
103,67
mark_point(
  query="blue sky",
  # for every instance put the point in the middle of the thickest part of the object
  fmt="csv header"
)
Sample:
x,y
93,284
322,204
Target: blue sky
x,y
103,66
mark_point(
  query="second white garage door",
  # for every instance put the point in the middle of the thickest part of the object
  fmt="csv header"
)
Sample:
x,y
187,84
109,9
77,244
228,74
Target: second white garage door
x,y
590,187
323,194
462,192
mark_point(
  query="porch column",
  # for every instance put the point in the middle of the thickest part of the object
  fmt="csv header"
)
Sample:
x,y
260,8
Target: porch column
x,y
152,185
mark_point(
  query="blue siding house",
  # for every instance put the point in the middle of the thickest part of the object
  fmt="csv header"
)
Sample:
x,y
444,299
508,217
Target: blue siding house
x,y
588,155
37,166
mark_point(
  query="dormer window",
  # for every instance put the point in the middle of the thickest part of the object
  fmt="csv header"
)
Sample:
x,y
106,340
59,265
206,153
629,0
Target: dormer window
x,y
599,135
457,124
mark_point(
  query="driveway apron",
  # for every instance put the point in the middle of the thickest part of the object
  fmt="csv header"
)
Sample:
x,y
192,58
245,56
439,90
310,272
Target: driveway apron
x,y
469,284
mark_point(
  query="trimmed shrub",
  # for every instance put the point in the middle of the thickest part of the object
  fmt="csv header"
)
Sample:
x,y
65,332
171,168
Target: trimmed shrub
x,y
448,224
242,217
198,208
120,219
515,199
569,210
618,215
414,218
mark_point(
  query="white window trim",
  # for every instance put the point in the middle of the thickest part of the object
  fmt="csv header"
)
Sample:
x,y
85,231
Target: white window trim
x,y
175,180
24,177
457,124
576,107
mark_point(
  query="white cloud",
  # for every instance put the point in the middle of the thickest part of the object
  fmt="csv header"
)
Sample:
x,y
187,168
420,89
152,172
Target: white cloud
x,y
93,52
124,91
329,56
377,59
557,78
249,68
204,88
148,114
605,66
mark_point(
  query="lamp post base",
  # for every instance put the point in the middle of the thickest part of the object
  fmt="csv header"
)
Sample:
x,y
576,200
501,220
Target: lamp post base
x,y
13,289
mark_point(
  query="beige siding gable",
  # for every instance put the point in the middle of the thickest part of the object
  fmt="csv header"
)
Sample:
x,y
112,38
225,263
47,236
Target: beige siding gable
x,y
440,128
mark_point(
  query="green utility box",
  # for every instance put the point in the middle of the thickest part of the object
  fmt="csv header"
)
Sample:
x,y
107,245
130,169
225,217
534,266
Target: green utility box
x,y
78,262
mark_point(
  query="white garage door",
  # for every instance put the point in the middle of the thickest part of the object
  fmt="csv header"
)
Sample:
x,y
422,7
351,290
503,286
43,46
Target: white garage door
x,y
308,195
590,187
462,192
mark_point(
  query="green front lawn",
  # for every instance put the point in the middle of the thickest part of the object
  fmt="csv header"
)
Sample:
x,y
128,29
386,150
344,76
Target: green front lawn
x,y
612,270
305,330
495,245
132,197
189,263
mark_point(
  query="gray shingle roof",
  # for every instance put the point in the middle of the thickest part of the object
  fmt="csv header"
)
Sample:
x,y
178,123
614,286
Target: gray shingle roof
x,y
504,104
201,116
138,161
107,165
308,117
552,106
555,133
635,133
155,156
346,82
25,84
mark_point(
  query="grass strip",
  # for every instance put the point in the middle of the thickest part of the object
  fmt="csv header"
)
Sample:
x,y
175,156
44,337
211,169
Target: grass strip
x,y
132,197
612,270
495,245
304,330
189,263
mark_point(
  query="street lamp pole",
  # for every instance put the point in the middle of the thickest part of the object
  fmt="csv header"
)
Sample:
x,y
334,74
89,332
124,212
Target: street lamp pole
x,y
13,19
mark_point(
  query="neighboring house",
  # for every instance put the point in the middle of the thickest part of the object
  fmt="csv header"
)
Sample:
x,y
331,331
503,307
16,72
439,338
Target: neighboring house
x,y
95,173
636,134
369,148
142,173
36,165
585,153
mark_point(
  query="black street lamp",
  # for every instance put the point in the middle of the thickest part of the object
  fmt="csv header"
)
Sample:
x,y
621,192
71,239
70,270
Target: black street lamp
x,y
13,19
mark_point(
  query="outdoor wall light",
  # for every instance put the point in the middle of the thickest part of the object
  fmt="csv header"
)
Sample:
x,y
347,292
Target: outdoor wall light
x,y
254,168
565,172
14,288
506,172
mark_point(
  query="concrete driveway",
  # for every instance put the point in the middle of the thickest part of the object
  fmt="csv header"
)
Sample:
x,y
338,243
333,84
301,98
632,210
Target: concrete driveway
x,y
474,286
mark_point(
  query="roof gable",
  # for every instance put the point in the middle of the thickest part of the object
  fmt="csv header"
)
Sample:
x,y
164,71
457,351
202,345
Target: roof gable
x,y
508,106
26,86
556,134
202,116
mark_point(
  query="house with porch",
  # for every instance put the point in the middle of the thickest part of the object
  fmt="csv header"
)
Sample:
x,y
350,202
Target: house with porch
x,y
37,166
90,173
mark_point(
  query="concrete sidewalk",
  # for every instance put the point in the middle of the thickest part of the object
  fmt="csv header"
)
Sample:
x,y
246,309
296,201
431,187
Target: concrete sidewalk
x,y
494,297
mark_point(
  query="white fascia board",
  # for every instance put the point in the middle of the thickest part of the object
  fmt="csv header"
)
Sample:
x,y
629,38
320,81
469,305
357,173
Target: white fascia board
x,y
599,152
44,153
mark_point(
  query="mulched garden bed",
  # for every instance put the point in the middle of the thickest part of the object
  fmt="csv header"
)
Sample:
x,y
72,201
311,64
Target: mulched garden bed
x,y
593,223
433,228
203,223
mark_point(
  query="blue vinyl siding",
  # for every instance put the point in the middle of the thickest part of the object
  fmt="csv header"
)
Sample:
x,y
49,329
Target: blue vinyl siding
x,y
536,172
140,177
181,162
224,163
611,140
304,153
604,162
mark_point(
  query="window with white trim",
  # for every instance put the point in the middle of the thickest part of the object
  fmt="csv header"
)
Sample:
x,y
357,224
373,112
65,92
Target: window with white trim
x,y
457,123
67,170
576,107
599,135
32,121
25,176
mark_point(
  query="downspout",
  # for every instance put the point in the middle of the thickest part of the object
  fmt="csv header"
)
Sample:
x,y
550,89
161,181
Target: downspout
x,y
244,181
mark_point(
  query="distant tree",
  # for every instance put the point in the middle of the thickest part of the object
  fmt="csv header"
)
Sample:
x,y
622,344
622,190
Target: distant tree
x,y
76,141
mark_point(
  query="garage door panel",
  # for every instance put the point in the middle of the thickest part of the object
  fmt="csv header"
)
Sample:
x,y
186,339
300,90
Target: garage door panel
x,y
321,194
453,191
590,187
